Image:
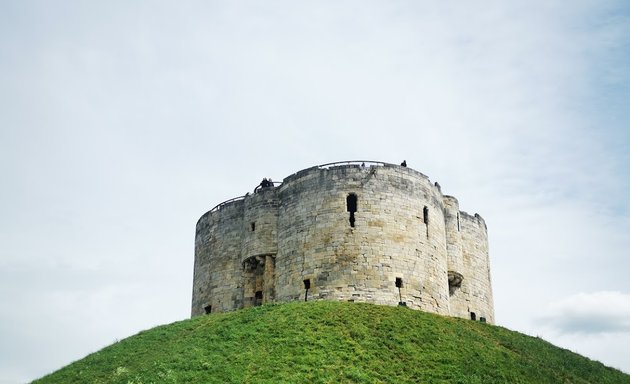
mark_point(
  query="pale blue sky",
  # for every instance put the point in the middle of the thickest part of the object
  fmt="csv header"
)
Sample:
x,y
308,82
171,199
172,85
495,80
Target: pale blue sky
x,y
123,122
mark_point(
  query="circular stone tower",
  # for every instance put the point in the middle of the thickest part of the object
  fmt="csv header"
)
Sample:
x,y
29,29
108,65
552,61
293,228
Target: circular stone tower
x,y
351,231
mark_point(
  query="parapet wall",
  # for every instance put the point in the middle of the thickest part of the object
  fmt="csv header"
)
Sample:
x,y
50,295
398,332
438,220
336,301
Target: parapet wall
x,y
381,233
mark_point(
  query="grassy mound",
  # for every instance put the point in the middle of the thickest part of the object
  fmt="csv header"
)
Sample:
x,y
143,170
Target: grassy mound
x,y
331,342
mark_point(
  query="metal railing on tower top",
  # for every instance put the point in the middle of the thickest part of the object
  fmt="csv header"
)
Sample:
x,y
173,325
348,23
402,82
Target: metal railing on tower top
x,y
275,184
354,162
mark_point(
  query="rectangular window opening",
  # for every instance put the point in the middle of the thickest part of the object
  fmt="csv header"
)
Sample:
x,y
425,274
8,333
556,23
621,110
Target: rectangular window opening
x,y
351,206
473,316
208,309
399,282
253,226
351,202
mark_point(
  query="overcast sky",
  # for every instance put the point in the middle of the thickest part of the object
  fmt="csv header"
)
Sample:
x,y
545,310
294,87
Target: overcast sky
x,y
122,122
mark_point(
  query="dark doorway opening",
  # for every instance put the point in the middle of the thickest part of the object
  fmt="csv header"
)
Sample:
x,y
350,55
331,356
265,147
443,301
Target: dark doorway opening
x,y
258,298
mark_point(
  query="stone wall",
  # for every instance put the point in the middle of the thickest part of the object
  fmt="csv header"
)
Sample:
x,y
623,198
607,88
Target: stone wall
x,y
347,232
218,267
476,289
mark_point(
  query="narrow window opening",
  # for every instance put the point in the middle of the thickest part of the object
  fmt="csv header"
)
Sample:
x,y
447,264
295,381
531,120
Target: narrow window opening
x,y
208,309
473,316
351,202
258,298
351,205
307,286
425,218
399,282
482,319
253,226
458,222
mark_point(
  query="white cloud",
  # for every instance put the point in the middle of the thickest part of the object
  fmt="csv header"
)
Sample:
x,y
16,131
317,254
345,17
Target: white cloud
x,y
590,313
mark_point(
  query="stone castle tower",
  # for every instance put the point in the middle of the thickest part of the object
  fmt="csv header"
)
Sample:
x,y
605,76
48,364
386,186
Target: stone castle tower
x,y
351,231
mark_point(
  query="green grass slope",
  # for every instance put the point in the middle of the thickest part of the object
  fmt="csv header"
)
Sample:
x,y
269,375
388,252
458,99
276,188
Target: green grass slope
x,y
332,342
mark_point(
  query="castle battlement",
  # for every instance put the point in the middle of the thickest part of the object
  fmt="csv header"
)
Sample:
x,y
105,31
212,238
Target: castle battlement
x,y
353,231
